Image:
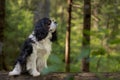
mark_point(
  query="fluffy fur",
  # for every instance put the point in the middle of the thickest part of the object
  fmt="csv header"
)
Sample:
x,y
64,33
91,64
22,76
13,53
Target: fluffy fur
x,y
36,48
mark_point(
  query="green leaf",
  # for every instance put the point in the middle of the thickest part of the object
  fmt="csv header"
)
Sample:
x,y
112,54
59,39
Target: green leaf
x,y
114,41
99,51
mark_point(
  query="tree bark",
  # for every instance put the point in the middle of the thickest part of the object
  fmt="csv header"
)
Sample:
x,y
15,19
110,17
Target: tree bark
x,y
115,27
68,32
42,9
2,25
2,19
95,14
86,34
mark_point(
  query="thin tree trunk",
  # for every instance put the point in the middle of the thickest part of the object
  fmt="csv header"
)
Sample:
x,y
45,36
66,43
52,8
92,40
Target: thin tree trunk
x,y
115,28
42,9
68,31
95,14
2,25
86,34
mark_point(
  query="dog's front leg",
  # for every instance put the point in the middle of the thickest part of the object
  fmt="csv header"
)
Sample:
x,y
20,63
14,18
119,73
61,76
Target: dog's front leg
x,y
31,65
46,58
17,70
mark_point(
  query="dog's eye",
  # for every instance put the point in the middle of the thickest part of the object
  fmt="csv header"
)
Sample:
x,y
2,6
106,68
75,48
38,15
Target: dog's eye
x,y
49,22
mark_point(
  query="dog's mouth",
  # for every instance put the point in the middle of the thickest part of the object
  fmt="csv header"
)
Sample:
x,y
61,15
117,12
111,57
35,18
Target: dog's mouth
x,y
53,26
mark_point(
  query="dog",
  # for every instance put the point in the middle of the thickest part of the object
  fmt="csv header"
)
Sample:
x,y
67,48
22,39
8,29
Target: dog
x,y
36,48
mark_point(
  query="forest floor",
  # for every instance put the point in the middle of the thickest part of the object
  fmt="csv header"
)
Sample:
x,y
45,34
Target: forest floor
x,y
64,76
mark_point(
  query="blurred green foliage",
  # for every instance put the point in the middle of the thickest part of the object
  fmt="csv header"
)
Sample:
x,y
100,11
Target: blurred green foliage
x,y
18,26
105,34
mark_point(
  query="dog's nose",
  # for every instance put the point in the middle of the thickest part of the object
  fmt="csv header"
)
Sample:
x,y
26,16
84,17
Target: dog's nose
x,y
55,22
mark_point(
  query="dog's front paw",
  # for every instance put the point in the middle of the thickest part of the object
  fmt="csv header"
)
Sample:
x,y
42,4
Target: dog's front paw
x,y
14,73
35,74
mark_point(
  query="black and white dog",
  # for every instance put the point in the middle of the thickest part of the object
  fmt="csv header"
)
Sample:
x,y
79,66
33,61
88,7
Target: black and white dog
x,y
36,48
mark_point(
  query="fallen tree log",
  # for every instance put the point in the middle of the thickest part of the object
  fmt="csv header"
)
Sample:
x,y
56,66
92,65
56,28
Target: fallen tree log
x,y
64,76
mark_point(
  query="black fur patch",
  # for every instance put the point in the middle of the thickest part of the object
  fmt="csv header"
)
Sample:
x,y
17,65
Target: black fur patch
x,y
54,36
26,50
41,28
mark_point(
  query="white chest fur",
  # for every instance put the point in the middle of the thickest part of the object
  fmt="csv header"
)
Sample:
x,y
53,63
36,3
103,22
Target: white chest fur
x,y
44,46
43,51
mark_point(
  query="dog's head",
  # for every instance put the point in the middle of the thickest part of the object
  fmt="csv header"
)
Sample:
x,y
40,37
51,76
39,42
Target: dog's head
x,y
43,27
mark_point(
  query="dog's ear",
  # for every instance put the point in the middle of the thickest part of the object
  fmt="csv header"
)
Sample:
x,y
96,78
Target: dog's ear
x,y
40,31
54,36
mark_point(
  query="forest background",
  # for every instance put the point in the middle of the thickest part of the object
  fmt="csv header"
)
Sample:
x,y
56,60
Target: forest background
x,y
105,32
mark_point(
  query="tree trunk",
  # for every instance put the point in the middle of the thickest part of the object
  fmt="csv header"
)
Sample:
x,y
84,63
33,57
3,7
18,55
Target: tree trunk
x,y
42,9
2,19
95,14
115,27
68,31
2,25
86,34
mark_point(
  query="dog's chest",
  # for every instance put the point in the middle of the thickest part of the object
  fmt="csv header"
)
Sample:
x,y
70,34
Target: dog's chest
x,y
43,47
